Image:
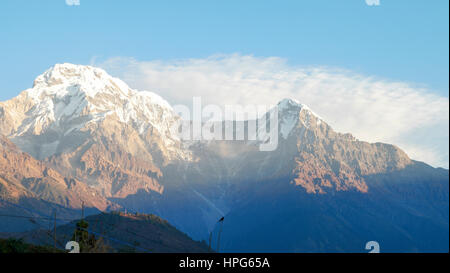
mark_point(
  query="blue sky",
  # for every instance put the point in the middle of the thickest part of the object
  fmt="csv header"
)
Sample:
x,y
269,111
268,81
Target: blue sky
x,y
404,40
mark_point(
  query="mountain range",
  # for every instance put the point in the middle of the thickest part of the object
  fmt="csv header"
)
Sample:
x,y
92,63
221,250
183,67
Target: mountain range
x,y
80,136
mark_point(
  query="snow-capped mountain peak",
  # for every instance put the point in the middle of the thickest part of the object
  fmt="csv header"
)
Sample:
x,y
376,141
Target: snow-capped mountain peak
x,y
68,91
290,114
63,79
80,80
68,98
288,103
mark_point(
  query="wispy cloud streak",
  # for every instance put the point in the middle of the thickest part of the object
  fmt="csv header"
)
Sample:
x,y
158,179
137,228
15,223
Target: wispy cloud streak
x,y
371,108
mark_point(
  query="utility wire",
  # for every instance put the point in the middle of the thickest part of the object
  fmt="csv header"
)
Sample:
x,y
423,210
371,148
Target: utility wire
x,y
37,217
64,220
36,212
90,231
116,240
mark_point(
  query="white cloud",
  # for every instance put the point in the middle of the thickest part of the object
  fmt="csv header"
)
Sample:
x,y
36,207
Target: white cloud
x,y
373,2
73,2
371,109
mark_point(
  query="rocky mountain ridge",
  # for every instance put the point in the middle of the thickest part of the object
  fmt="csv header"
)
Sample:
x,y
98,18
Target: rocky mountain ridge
x,y
79,124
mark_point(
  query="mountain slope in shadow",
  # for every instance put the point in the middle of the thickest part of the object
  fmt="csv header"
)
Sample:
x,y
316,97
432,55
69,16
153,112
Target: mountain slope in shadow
x,y
404,211
124,232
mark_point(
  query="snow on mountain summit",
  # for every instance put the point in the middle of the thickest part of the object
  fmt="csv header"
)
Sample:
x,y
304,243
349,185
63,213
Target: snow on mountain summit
x,y
66,73
68,91
289,103
68,98
290,114
69,79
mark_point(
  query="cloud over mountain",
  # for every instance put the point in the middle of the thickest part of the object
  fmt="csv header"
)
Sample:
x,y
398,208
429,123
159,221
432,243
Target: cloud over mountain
x,y
373,109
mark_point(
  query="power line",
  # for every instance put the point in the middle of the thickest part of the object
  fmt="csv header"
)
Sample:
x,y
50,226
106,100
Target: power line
x,y
90,231
36,212
53,219
133,233
54,232
37,217
116,240
64,220
45,231
220,231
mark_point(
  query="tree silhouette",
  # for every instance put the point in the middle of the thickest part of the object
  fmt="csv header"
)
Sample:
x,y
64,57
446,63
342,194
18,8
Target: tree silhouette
x,y
88,243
